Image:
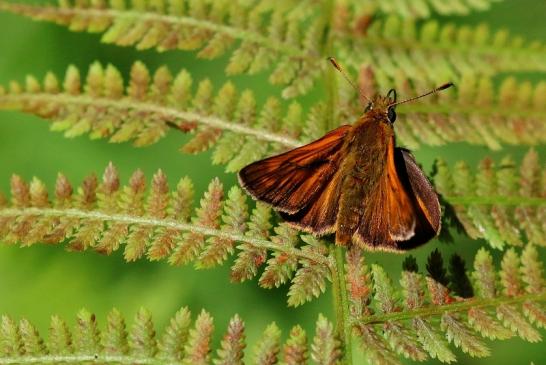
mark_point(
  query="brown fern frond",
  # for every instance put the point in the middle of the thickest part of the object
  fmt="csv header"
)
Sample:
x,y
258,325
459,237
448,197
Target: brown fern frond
x,y
497,203
22,344
154,223
240,133
150,106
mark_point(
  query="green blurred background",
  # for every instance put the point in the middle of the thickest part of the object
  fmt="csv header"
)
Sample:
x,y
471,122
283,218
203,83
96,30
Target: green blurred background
x,y
40,281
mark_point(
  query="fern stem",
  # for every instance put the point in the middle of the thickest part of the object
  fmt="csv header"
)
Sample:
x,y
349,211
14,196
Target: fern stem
x,y
113,14
450,308
413,45
169,113
167,223
85,359
339,287
341,304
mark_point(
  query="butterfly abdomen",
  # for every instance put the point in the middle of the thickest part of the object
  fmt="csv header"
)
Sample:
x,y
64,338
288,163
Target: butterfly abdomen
x,y
361,170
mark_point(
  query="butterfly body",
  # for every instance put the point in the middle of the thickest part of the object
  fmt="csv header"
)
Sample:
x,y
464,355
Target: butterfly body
x,y
353,182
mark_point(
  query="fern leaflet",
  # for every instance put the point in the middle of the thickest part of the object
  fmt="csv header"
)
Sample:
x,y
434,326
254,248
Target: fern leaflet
x,y
497,203
213,27
416,320
150,105
161,225
184,341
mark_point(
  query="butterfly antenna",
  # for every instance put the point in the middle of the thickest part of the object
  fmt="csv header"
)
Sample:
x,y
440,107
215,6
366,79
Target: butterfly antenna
x,y
346,77
433,91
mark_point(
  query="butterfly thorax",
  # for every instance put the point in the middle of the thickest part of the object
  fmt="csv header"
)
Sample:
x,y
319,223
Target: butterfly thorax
x,y
366,155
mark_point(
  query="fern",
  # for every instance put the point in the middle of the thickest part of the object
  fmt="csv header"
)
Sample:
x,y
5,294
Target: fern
x,y
150,105
416,320
497,203
389,45
183,342
161,225
153,104
396,45
475,111
258,35
423,8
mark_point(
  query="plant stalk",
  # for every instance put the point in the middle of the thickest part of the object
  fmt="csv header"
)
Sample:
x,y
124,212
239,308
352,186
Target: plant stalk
x,y
341,304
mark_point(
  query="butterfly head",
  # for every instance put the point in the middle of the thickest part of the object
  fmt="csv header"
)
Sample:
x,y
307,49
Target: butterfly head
x,y
383,107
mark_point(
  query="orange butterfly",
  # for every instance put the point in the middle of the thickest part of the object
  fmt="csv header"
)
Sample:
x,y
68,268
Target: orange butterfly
x,y
353,182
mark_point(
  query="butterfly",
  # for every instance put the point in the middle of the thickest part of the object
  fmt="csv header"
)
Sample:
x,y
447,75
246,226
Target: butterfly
x,y
353,182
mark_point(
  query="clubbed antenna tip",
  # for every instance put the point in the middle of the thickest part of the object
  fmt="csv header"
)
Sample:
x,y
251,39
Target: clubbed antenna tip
x,y
445,86
346,77
334,63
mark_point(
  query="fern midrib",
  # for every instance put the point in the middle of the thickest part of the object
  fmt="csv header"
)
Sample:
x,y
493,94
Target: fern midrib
x,y
215,122
481,110
479,50
167,223
88,358
496,200
126,103
435,310
140,16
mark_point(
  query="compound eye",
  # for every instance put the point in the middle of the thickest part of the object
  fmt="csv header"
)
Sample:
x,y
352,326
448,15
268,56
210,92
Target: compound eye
x,y
391,114
368,108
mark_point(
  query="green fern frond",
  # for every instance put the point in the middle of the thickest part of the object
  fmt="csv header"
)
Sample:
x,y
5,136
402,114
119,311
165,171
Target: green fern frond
x,y
150,105
257,36
421,8
391,45
474,111
20,343
497,203
436,53
160,224
423,316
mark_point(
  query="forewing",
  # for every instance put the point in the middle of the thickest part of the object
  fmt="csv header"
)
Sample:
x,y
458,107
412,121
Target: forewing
x,y
403,211
320,214
289,181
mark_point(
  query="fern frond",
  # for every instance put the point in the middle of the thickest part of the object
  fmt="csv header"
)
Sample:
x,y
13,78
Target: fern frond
x,y
161,225
397,47
291,38
421,317
326,348
475,111
20,343
230,122
258,37
421,8
497,203
150,105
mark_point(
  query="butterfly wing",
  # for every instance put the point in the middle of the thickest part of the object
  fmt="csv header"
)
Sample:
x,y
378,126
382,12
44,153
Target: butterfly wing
x,y
291,180
403,212
320,215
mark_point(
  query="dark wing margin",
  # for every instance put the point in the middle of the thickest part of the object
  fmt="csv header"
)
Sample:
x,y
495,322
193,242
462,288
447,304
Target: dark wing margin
x,y
289,181
425,200
404,212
